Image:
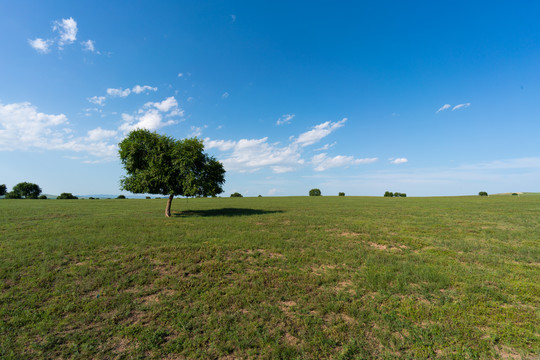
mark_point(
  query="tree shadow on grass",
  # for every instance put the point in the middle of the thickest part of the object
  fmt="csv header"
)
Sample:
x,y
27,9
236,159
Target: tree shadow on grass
x,y
225,212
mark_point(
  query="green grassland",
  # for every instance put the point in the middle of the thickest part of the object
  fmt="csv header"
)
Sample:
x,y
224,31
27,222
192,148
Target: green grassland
x,y
293,277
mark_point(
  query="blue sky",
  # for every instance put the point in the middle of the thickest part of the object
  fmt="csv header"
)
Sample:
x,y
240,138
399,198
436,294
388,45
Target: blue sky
x,y
426,98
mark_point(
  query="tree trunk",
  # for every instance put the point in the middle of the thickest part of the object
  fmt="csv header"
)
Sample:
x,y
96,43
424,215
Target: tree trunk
x,y
168,208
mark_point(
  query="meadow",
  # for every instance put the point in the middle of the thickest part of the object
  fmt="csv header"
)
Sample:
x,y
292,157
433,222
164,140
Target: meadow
x,y
290,278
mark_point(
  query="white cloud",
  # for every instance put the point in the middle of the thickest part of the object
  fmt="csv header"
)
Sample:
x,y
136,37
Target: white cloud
x,y
318,132
40,45
137,89
197,131
67,30
322,162
180,75
98,100
112,92
285,119
518,163
398,161
222,145
225,95
233,17
444,107
168,105
151,116
22,127
98,134
250,155
326,147
89,45
461,106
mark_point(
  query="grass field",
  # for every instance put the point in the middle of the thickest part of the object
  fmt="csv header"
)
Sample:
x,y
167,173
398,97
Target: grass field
x,y
293,277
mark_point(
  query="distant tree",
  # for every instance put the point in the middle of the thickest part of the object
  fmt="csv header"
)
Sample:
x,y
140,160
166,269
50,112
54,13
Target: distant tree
x,y
260,196
66,196
158,164
3,189
482,193
28,190
515,194
148,197
341,194
121,197
13,195
388,194
43,197
236,194
314,192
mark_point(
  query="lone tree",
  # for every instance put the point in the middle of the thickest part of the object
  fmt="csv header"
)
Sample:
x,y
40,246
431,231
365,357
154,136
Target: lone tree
x,y
3,189
158,164
314,192
236,194
341,194
482,193
26,189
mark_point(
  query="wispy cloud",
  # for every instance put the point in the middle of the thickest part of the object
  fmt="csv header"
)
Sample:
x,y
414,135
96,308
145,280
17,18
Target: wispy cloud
x,y
112,92
250,155
326,147
444,107
98,100
322,162
319,132
137,89
461,106
398,161
225,95
285,119
233,17
89,45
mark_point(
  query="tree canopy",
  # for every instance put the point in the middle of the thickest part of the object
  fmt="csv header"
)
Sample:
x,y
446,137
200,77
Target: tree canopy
x,y
315,192
3,189
159,164
26,190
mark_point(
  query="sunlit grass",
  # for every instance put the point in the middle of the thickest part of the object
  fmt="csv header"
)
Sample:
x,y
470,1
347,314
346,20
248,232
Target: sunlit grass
x,y
297,277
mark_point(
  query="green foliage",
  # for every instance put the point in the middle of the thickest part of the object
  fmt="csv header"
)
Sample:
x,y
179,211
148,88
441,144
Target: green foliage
x,y
3,189
66,196
158,164
13,195
27,190
515,194
236,194
43,197
148,197
314,192
121,197
482,193
396,194
341,194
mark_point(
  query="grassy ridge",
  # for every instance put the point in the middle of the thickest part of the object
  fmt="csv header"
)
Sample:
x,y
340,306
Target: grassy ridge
x,y
296,277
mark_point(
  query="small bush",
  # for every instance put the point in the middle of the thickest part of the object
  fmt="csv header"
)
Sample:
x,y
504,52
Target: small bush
x,y
148,197
236,194
259,196
341,194
482,193
120,197
314,192
66,196
42,197
515,194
